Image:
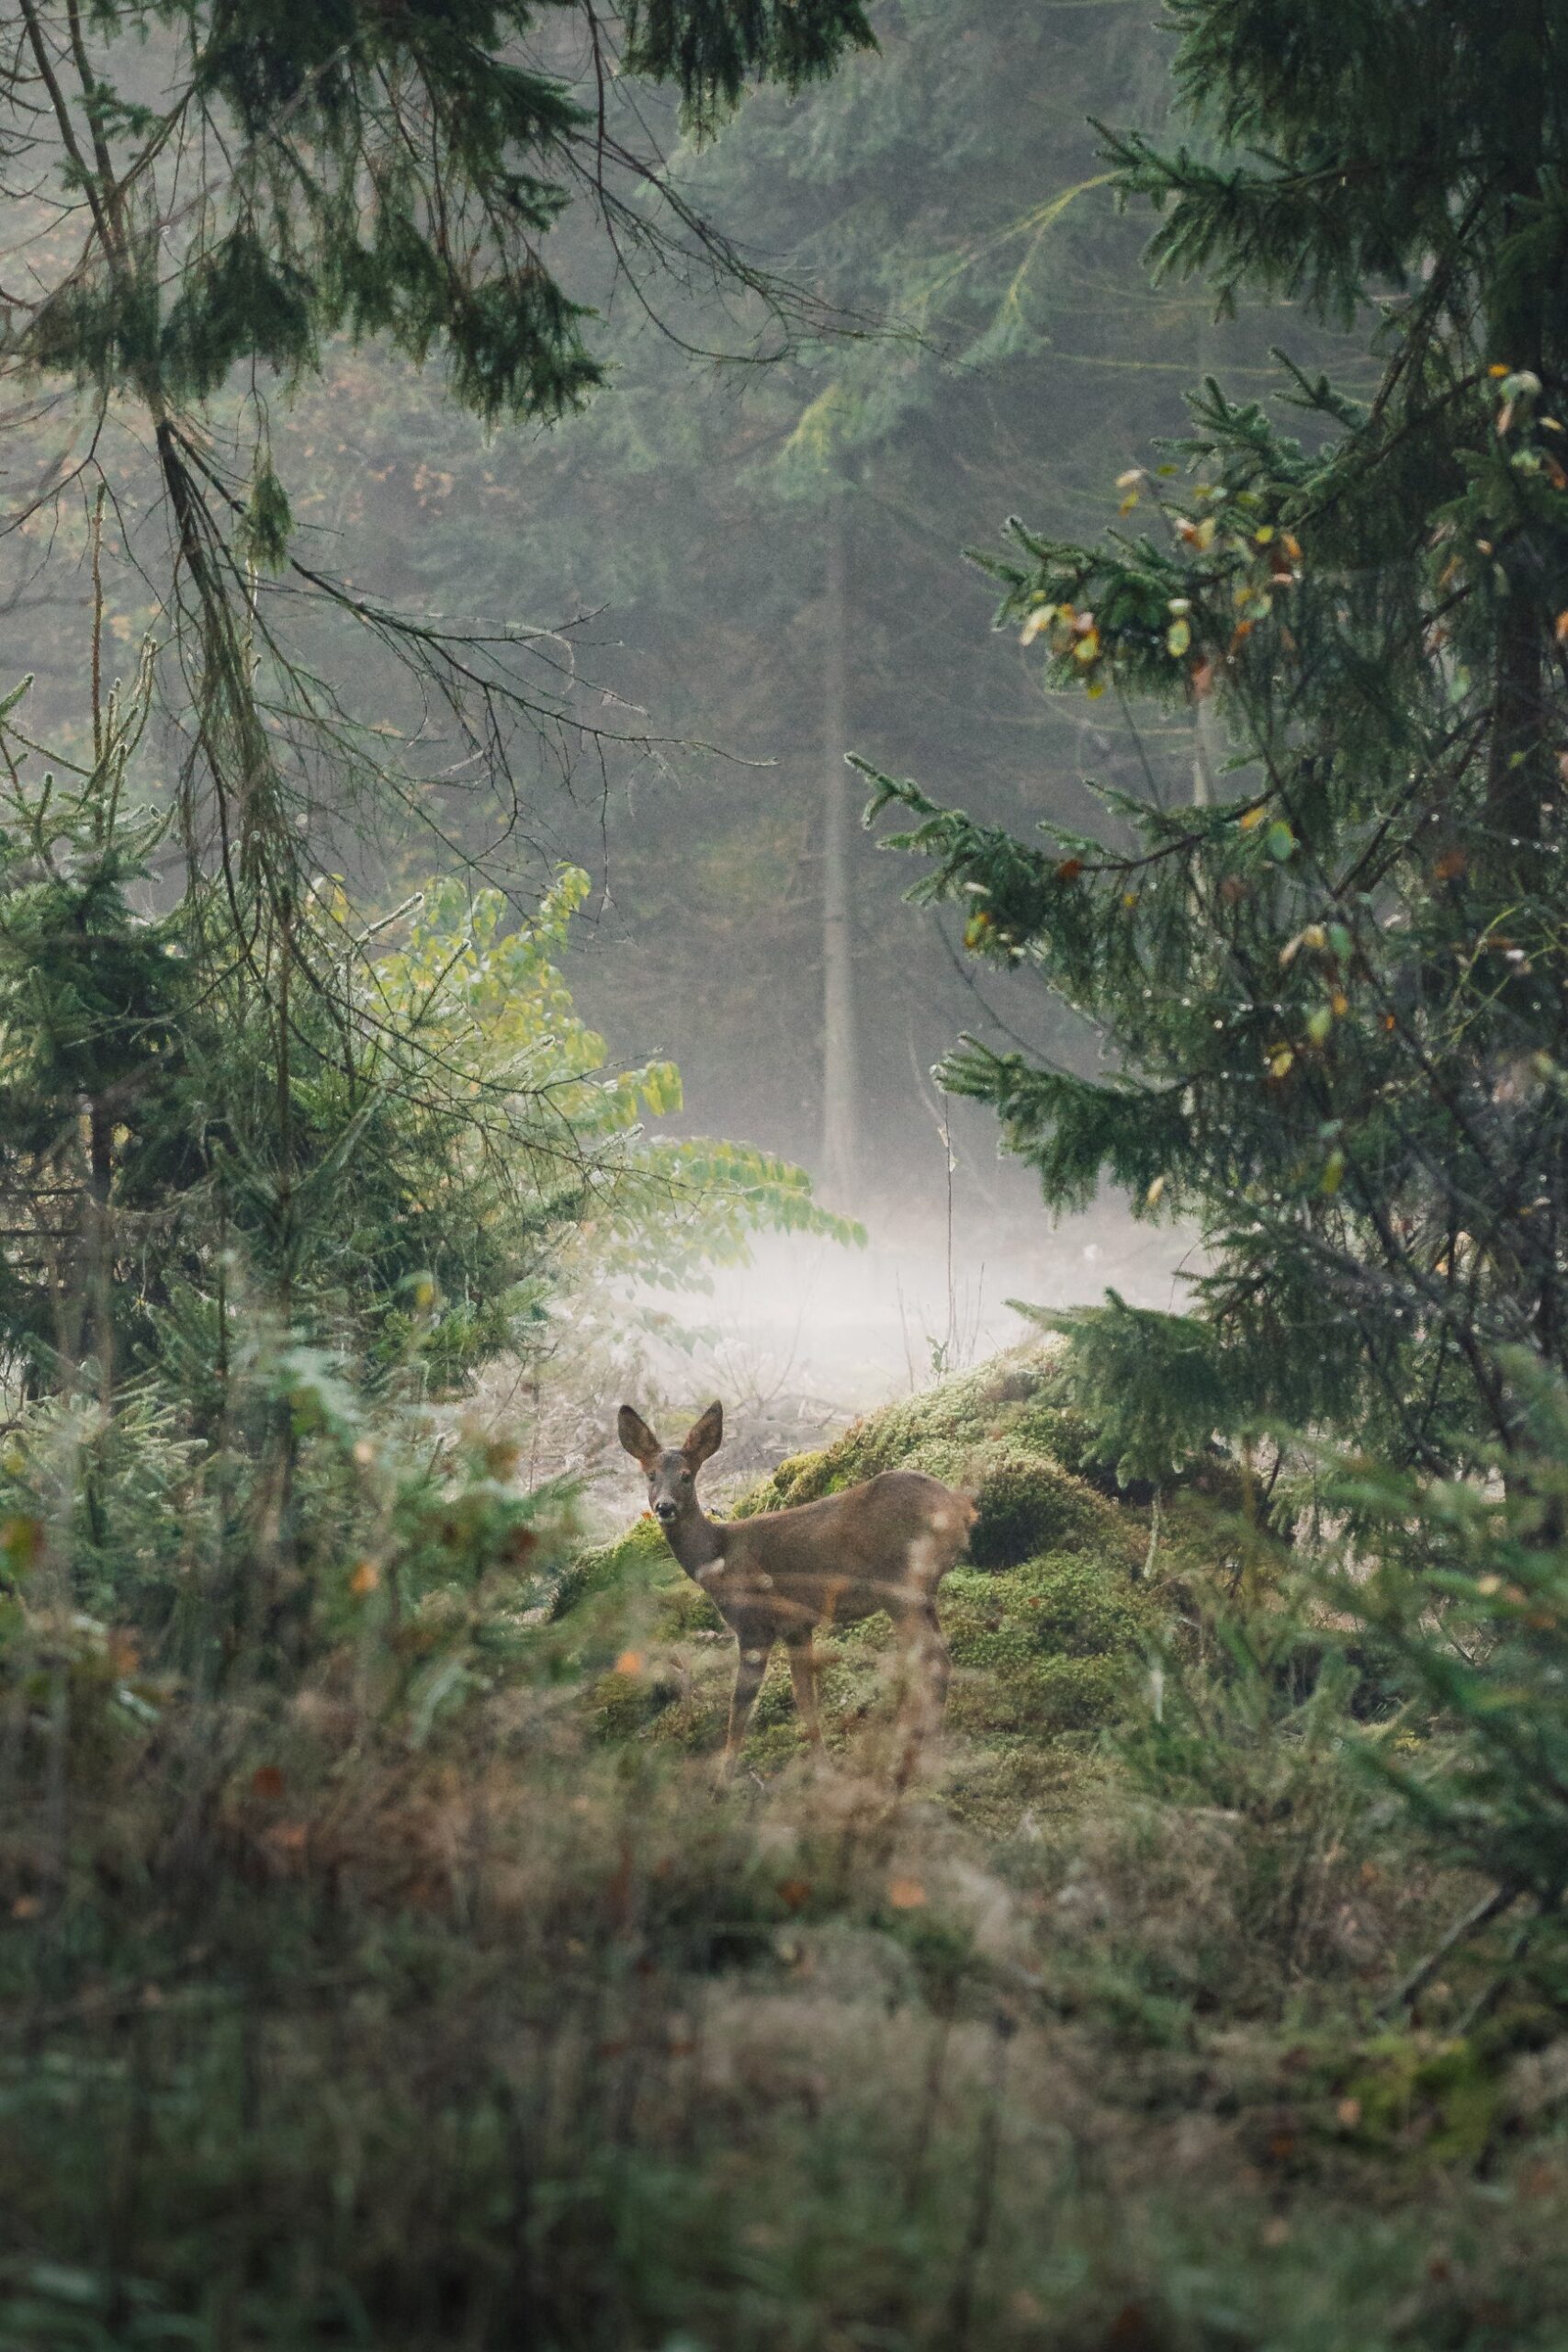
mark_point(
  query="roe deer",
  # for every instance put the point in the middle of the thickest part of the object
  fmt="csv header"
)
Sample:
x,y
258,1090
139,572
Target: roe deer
x,y
885,1544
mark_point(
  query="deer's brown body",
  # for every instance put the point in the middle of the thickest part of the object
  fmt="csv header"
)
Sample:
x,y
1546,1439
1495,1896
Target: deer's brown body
x,y
885,1544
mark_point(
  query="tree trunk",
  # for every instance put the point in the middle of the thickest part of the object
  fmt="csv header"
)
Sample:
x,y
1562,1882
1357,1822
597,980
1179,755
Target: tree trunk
x,y
1208,737
1520,770
840,1076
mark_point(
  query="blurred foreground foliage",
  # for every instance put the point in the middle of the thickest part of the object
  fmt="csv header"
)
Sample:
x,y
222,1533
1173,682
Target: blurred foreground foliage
x,y
407,1986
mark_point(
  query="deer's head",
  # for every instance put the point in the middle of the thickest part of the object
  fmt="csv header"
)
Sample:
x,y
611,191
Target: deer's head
x,y
672,1471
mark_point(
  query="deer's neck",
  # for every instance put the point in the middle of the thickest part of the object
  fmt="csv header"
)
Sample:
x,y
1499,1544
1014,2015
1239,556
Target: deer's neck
x,y
696,1543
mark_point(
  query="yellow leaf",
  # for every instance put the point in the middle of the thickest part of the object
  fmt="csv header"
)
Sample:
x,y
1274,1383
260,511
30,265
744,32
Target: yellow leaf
x,y
629,1662
1151,1197
366,1578
1251,817
1041,618
1279,1061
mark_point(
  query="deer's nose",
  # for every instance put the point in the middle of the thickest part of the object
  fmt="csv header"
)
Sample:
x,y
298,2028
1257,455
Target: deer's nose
x,y
665,1510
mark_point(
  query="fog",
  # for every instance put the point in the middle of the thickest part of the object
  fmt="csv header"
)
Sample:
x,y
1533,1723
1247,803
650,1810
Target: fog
x,y
758,560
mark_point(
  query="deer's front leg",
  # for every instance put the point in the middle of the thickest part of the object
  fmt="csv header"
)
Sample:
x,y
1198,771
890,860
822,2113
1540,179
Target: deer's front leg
x,y
750,1669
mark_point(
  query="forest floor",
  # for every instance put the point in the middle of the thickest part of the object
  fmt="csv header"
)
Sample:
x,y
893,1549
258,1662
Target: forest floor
x,y
487,2023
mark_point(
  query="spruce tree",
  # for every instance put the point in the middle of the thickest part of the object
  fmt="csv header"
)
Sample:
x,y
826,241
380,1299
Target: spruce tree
x,y
1330,999
207,193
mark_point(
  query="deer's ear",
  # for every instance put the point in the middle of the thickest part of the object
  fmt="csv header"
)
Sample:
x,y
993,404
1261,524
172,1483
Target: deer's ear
x,y
636,1436
705,1437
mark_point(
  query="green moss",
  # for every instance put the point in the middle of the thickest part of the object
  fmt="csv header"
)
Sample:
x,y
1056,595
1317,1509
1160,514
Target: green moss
x,y
1026,1505
624,1704
1046,1648
635,1558
1045,1621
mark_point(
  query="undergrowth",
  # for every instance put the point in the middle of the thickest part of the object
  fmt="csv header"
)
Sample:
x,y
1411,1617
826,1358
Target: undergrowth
x,y
418,1991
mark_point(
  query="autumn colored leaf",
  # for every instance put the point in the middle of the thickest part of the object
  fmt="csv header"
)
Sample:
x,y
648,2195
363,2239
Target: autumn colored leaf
x,y
267,1781
1069,869
21,1541
905,1894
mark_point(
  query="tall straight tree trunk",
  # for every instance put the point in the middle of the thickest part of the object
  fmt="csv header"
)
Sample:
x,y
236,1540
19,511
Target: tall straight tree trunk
x,y
840,1076
1208,737
1519,769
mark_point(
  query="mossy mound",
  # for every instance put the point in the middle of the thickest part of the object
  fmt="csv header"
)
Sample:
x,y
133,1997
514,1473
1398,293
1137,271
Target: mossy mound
x,y
1045,1618
990,1434
1047,1647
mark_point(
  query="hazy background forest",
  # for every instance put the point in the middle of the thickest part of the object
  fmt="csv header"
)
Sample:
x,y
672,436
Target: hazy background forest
x,y
751,549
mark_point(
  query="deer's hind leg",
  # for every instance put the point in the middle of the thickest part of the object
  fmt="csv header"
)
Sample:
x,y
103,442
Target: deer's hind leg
x,y
803,1675
928,1669
749,1668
